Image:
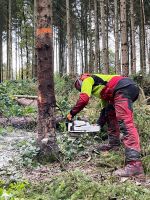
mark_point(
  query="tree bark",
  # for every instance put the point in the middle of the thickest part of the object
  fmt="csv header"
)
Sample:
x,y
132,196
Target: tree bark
x,y
9,43
26,44
1,55
147,50
46,96
61,42
142,39
133,46
21,55
69,39
85,35
104,39
34,56
96,65
124,42
16,56
149,56
107,27
116,23
83,38
91,52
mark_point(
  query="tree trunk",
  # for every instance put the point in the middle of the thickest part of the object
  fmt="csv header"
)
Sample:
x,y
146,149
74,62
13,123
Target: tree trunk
x,y
107,25
21,55
69,39
46,96
85,35
133,46
57,58
149,57
26,44
1,60
91,52
116,23
141,60
82,68
76,57
96,65
147,49
16,56
9,43
124,42
61,48
34,56
104,39
142,39
73,55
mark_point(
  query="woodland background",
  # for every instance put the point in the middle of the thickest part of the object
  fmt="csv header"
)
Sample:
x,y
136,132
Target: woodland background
x,y
96,36
88,35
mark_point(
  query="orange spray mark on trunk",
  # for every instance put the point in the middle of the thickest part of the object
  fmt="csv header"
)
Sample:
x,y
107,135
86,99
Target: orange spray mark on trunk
x,y
41,31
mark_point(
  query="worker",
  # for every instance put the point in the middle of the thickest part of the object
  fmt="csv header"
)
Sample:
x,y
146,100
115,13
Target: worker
x,y
117,94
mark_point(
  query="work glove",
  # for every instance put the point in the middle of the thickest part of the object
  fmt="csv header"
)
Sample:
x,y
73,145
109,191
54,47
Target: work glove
x,y
69,117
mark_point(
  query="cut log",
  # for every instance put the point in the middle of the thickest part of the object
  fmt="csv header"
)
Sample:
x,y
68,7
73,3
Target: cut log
x,y
24,122
18,122
26,102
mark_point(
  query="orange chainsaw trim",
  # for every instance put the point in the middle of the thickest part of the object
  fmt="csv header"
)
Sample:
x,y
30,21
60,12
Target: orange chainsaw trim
x,y
41,31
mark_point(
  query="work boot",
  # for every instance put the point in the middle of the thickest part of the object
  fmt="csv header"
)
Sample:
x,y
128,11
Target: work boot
x,y
107,147
133,168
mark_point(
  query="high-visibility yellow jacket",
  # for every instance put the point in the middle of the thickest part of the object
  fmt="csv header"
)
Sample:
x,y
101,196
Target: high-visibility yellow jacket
x,y
98,85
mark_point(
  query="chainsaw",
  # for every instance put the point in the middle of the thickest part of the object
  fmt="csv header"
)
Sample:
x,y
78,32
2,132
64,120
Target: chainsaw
x,y
80,126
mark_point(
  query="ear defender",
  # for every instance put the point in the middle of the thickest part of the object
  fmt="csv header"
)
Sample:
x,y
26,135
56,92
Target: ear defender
x,y
78,84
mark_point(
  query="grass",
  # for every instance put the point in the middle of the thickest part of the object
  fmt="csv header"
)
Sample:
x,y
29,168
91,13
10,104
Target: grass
x,y
78,186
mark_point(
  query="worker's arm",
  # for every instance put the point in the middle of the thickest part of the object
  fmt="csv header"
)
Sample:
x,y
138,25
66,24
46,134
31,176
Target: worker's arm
x,y
81,103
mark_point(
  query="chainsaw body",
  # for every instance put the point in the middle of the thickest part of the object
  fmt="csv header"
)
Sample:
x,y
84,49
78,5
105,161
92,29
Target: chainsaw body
x,y
79,126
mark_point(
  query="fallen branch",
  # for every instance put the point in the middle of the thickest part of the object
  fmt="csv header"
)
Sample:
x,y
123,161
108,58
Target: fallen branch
x,y
23,122
142,92
146,100
26,96
142,97
101,164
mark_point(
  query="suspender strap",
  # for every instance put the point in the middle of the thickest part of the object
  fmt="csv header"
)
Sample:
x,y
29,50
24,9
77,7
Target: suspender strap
x,y
98,81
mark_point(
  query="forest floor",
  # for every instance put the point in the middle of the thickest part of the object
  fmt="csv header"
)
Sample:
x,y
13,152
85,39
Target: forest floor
x,y
17,151
87,161
10,157
82,173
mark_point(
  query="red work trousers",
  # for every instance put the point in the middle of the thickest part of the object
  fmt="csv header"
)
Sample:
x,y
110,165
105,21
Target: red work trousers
x,y
120,122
